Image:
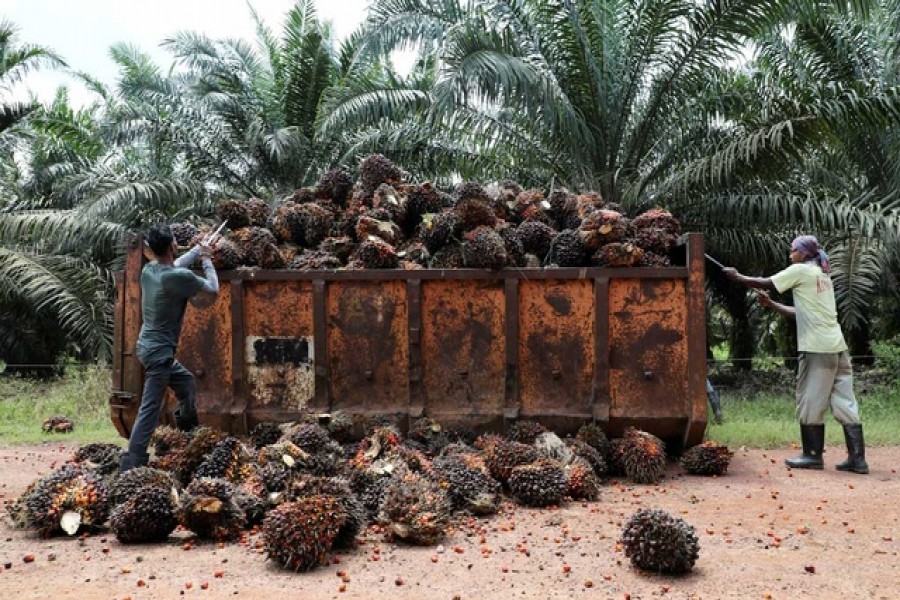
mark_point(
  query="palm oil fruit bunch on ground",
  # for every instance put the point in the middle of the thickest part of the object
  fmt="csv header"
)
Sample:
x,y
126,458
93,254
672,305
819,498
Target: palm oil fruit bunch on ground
x,y
314,488
379,219
708,458
656,541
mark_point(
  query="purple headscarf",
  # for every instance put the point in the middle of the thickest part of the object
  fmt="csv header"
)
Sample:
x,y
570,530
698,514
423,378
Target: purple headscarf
x,y
808,246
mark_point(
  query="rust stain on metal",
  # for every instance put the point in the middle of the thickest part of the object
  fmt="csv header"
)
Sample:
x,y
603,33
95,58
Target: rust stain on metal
x,y
463,347
368,346
278,308
205,349
556,348
648,348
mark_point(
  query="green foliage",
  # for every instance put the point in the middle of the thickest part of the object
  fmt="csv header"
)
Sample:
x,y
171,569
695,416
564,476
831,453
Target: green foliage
x,y
81,394
888,354
767,419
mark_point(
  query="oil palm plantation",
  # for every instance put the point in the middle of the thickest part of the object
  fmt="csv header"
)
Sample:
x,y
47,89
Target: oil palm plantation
x,y
650,102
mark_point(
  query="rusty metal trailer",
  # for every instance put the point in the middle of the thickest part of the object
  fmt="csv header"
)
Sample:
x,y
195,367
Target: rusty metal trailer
x,y
467,347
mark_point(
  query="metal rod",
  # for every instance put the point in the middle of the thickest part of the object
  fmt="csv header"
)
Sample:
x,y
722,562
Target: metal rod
x,y
714,261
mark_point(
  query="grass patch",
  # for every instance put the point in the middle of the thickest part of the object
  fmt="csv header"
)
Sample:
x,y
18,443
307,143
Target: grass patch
x,y
82,395
767,420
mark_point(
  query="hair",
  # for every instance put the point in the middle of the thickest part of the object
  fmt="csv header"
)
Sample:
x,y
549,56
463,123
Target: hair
x,y
159,238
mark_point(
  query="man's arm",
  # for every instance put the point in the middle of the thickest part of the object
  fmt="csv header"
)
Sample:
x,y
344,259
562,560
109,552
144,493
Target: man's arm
x,y
758,283
782,309
188,258
210,278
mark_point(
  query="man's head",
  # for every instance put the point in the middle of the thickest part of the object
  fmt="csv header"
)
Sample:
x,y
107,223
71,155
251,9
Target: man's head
x,y
161,240
806,248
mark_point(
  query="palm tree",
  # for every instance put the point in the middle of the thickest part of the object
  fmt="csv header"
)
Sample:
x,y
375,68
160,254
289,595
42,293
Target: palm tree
x,y
649,102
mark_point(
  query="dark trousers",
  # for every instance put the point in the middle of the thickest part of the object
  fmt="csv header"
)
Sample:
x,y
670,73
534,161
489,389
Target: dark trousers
x,y
158,376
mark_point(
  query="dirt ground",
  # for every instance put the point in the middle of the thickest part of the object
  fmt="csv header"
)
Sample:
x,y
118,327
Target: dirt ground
x,y
764,532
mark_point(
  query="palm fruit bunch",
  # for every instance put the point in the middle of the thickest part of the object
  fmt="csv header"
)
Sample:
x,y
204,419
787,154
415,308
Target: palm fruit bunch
x,y
429,434
285,223
501,458
656,541
336,185
340,247
388,202
414,253
437,230
656,231
564,209
515,251
376,169
567,250
275,477
209,508
149,515
252,243
314,260
102,458
525,432
203,440
252,495
386,230
483,248
225,255
655,260
589,454
448,257
265,433
258,211
415,509
233,212
184,232
593,435
310,437
708,458
299,535
541,483
67,500
129,483
530,205
375,253
603,227
228,460
615,463
643,455
469,488
421,200
373,494
58,424
381,441
619,254
314,222
167,440
474,207
536,237
338,488
581,480
303,195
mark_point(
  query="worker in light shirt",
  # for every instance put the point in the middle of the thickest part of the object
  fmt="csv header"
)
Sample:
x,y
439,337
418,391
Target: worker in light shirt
x,y
825,376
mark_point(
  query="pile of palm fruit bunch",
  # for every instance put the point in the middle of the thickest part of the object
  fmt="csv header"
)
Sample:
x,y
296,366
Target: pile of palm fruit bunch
x,y
380,221
314,486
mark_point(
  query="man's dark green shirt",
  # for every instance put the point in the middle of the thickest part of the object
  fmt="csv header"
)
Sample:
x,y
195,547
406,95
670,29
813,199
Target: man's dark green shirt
x,y
165,290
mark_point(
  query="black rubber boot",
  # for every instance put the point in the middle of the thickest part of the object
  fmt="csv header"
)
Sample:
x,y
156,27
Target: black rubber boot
x,y
130,461
813,437
856,450
186,422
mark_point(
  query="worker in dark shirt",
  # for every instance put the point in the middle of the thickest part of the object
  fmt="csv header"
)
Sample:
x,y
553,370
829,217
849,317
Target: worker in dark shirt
x,y
166,286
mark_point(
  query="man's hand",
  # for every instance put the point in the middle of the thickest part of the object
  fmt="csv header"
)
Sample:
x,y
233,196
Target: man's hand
x,y
205,251
764,299
731,273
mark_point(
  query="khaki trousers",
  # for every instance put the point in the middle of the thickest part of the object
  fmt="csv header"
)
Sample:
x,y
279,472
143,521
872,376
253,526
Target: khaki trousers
x,y
823,381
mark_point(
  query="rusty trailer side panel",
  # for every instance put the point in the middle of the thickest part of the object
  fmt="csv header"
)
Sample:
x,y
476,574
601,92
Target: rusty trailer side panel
x,y
467,347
